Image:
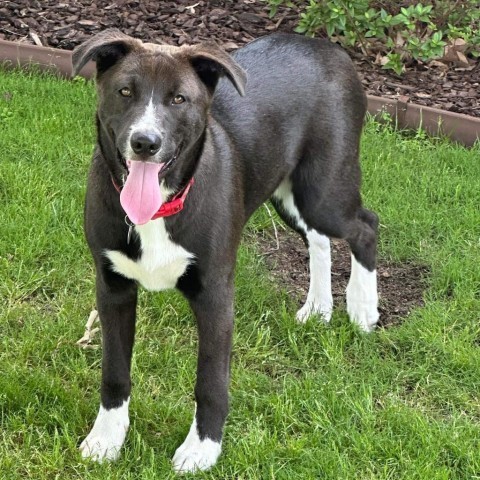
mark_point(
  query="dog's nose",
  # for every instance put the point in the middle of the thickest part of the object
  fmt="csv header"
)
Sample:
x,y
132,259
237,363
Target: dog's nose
x,y
145,143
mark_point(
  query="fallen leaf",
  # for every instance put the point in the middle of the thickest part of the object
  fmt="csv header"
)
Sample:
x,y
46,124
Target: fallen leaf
x,y
459,44
36,39
384,60
399,41
230,46
192,8
437,64
462,59
423,95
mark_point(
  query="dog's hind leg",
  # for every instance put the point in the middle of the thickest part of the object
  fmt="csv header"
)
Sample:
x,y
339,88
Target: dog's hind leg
x,y
325,189
362,296
319,298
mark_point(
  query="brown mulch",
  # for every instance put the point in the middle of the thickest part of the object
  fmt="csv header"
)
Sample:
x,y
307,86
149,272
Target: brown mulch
x,y
233,23
400,285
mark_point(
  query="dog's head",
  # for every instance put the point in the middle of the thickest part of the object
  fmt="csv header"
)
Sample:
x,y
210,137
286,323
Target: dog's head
x,y
153,100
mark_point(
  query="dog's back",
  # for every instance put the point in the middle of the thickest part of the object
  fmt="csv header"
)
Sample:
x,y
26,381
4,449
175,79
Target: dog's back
x,y
301,94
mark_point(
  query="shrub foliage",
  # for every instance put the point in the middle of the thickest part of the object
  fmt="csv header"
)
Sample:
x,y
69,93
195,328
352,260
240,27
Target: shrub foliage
x,y
396,32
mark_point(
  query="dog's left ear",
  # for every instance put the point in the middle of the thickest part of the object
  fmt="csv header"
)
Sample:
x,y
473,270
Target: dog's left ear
x,y
211,62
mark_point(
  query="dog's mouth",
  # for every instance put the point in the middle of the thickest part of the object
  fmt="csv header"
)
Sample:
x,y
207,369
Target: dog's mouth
x,y
122,161
141,196
165,167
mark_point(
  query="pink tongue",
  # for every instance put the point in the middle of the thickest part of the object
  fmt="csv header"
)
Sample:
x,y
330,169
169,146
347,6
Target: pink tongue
x,y
140,196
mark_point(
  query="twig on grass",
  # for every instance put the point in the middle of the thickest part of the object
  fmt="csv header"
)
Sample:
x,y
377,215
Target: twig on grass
x,y
274,226
87,340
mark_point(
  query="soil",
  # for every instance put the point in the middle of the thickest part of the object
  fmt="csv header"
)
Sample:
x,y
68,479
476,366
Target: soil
x,y
234,23
400,285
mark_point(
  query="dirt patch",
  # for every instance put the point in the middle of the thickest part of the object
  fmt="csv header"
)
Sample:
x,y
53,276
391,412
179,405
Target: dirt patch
x,y
400,285
231,23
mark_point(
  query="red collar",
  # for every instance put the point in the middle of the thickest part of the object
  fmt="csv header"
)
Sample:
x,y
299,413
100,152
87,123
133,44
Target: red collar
x,y
175,205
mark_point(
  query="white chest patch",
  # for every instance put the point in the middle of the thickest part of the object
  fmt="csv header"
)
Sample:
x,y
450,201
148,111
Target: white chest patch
x,y
162,262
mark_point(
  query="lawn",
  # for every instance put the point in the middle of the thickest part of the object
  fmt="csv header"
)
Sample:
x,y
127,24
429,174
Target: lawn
x,y
308,401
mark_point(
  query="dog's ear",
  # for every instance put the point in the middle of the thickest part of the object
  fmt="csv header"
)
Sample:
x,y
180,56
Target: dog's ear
x,y
105,48
211,62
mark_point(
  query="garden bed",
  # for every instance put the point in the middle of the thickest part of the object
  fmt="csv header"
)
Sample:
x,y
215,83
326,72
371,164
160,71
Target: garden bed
x,y
65,25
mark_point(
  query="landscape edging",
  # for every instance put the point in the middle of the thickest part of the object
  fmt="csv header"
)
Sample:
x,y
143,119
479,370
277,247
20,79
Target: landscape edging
x,y
461,128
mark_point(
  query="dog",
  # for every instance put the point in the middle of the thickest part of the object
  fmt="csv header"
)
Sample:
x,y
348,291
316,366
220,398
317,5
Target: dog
x,y
186,151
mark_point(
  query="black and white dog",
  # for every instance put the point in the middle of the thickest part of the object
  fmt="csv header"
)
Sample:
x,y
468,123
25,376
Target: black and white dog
x,y
186,153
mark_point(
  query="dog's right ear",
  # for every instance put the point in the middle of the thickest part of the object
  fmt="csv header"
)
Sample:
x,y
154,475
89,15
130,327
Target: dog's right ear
x,y
105,48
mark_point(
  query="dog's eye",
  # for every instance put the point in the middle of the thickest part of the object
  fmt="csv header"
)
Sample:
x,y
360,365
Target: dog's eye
x,y
125,92
178,99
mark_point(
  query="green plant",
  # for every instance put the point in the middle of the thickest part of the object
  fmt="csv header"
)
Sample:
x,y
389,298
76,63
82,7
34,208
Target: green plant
x,y
413,32
394,62
274,4
5,114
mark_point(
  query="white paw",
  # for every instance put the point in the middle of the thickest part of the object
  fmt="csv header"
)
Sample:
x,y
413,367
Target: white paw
x,y
362,297
364,314
107,435
323,310
195,454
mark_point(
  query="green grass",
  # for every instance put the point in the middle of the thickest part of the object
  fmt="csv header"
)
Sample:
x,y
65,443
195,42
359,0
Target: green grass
x,y
308,402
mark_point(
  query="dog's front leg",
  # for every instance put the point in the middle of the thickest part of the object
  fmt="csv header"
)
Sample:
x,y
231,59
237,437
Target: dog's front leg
x,y
116,304
213,309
